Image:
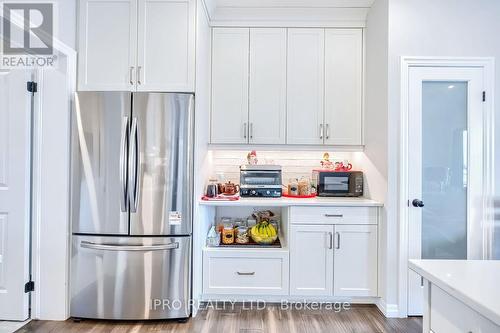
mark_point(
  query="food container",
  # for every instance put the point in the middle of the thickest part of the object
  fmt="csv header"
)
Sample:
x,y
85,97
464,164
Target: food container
x,y
275,222
303,186
240,223
228,234
293,186
213,237
223,221
241,235
251,221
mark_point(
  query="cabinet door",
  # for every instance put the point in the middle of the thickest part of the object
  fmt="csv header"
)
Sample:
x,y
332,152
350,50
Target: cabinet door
x,y
229,122
166,45
107,45
355,263
267,98
343,86
311,260
305,82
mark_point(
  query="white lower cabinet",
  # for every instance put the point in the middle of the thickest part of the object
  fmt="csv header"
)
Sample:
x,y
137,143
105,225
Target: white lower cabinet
x,y
245,272
333,259
355,260
311,260
449,315
329,252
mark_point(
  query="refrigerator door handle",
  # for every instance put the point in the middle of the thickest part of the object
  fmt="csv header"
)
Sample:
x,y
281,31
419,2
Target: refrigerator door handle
x,y
123,166
134,166
117,247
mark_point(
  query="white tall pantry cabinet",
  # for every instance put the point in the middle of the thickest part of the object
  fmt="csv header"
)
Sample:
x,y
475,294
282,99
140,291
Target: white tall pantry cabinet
x,y
136,45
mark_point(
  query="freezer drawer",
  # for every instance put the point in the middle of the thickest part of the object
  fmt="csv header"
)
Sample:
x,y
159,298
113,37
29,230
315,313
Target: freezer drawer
x,y
130,278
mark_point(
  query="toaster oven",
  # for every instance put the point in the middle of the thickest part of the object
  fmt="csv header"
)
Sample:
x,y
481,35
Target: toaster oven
x,y
260,181
338,184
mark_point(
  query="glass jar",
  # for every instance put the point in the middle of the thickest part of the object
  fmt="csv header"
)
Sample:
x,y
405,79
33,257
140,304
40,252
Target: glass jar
x,y
303,186
251,221
241,235
212,189
293,186
228,234
223,221
275,222
239,223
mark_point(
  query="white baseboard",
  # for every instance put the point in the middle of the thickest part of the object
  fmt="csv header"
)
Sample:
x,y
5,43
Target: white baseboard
x,y
388,310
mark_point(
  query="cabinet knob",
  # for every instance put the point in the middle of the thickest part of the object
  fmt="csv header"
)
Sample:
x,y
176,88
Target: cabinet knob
x,y
139,75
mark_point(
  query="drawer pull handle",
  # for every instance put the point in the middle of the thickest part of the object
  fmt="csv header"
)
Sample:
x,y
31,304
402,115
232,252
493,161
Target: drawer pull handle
x,y
245,273
334,215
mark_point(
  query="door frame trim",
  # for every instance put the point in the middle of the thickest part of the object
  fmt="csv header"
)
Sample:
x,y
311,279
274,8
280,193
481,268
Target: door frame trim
x,y
488,66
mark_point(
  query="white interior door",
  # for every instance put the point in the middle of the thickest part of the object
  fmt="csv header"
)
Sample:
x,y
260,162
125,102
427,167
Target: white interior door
x,y
14,194
445,163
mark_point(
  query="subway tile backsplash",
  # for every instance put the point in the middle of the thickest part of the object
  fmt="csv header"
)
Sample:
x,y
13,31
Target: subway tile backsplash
x,y
295,163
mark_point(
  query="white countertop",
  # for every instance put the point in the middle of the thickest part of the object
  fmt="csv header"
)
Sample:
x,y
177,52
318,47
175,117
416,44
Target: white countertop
x,y
285,202
473,282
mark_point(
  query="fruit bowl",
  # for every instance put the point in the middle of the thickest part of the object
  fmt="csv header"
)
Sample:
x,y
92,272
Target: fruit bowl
x,y
263,233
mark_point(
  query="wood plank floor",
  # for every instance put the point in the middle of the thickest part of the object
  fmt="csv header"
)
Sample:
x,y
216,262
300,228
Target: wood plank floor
x,y
272,319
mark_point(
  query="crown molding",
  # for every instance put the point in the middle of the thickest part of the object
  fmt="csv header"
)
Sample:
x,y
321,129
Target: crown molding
x,y
294,3
287,13
290,17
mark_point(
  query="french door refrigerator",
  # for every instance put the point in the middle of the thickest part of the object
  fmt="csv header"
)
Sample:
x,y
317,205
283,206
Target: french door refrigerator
x,y
131,205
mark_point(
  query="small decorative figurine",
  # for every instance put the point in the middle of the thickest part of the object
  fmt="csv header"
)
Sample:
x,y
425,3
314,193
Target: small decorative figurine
x,y
252,158
326,163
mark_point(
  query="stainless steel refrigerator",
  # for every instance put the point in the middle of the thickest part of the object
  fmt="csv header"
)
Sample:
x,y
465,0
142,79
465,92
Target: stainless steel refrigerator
x,y
131,206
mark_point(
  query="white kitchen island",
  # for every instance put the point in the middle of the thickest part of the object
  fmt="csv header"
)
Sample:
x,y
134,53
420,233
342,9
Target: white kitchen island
x,y
460,295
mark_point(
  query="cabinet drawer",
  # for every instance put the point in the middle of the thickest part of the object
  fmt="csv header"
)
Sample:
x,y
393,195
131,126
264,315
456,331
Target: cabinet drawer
x,y
449,315
333,215
245,273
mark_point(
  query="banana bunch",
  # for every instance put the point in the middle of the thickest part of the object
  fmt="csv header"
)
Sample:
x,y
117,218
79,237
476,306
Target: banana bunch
x,y
263,233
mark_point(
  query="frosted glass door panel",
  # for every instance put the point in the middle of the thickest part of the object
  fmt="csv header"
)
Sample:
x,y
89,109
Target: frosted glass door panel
x,y
444,170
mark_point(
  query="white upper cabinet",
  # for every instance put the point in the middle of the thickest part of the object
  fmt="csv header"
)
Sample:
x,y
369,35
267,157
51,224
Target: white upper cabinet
x,y
107,45
311,260
305,82
343,86
296,86
136,45
229,121
166,45
267,97
355,260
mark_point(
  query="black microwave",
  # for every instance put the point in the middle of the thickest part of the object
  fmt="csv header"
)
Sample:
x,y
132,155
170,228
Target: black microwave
x,y
338,183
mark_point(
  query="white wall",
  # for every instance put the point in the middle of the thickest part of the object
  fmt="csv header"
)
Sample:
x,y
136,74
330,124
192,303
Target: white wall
x,y
296,164
202,115
374,157
50,299
432,28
